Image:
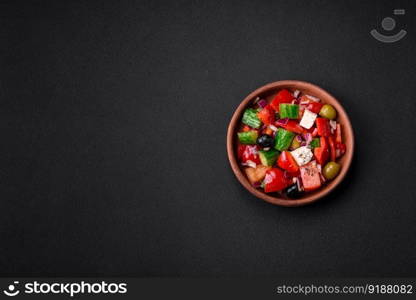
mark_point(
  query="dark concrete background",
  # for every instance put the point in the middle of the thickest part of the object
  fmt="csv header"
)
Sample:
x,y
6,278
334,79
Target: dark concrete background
x,y
113,119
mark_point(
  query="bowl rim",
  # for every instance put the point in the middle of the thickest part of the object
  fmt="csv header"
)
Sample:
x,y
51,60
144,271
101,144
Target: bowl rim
x,y
307,199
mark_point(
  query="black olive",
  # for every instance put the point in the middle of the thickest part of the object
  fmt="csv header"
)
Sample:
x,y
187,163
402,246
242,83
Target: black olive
x,y
265,140
293,192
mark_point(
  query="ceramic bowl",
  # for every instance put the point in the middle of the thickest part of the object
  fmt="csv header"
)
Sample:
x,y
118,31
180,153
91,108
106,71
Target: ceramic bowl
x,y
267,92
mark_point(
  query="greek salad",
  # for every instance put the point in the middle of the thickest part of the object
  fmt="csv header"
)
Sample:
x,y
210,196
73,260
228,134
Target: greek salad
x,y
291,144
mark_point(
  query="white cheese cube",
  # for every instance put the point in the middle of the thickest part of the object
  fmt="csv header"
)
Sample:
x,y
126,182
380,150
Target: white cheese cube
x,y
308,119
302,155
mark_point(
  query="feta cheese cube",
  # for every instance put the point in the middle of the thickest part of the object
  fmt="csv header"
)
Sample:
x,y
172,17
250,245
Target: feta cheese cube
x,y
308,119
302,155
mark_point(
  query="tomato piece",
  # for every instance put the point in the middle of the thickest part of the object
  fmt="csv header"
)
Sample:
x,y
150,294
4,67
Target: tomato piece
x,y
251,152
268,131
340,149
322,152
314,107
323,127
293,174
283,96
275,180
287,162
311,178
332,151
246,128
266,115
314,131
289,176
240,151
338,134
293,126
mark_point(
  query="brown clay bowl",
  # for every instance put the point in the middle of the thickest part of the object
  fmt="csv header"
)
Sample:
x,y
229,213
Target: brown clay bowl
x,y
267,92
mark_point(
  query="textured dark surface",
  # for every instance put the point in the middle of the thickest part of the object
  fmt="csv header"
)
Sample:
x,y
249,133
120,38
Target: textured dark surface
x,y
113,121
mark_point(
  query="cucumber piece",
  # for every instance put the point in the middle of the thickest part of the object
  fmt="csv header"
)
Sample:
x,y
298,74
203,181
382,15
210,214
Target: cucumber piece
x,y
248,137
268,158
283,139
315,143
250,118
290,111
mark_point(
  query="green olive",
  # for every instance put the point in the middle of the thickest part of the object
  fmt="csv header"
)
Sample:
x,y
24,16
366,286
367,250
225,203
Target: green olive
x,y
331,170
328,111
295,144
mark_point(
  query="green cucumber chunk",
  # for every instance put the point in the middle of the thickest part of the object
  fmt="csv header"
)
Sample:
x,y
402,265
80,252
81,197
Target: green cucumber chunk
x,y
290,111
268,158
283,139
250,118
315,143
248,137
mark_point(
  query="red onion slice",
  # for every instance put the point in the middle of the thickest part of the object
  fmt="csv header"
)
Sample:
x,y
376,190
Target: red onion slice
x,y
313,98
272,127
308,138
262,103
296,93
282,122
333,124
251,164
256,185
299,183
